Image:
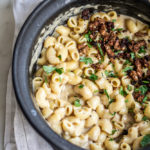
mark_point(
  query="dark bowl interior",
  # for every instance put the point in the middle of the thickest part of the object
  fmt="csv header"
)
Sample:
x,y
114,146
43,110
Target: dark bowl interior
x,y
43,15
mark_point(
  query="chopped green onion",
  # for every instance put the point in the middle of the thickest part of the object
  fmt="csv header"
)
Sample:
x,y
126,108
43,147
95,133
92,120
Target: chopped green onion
x,y
89,45
48,69
118,52
127,69
110,74
142,50
46,81
144,118
126,101
86,60
87,36
113,131
77,103
59,70
100,62
100,50
106,93
93,77
146,82
106,72
139,56
113,114
81,86
111,100
114,20
145,99
127,62
145,141
96,91
122,92
143,89
129,87
113,29
111,139
132,55
59,57
119,29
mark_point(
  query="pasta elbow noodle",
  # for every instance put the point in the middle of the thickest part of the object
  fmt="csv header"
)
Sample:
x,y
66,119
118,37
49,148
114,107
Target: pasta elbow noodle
x,y
94,133
37,82
106,125
118,105
51,56
94,102
131,25
46,112
95,146
88,71
147,111
49,41
41,98
111,145
42,60
130,100
104,84
125,146
92,86
85,92
136,143
73,79
82,113
72,65
93,119
73,125
62,30
74,55
72,22
112,15
55,125
115,82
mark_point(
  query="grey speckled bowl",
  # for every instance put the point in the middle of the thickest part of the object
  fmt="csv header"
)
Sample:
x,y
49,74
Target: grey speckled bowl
x,y
44,14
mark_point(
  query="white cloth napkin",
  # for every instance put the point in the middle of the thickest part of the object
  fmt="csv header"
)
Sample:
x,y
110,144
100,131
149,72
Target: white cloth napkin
x,y
19,135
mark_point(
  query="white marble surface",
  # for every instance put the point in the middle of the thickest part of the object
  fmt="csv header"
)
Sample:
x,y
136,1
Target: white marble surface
x,y
6,38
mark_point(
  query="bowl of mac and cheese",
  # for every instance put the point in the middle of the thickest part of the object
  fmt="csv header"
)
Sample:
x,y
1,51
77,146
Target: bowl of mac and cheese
x,y
83,76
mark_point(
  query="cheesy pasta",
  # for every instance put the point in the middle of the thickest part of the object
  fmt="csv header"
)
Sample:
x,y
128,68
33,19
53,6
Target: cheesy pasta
x,y
92,82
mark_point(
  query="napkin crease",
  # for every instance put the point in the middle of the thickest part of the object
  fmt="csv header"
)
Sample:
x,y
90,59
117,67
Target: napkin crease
x,y
19,134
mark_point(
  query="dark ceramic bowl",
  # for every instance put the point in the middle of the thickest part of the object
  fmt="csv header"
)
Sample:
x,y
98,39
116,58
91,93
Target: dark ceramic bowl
x,y
43,15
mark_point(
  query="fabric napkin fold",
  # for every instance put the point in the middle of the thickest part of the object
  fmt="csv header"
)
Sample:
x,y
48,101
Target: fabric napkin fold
x,y
19,135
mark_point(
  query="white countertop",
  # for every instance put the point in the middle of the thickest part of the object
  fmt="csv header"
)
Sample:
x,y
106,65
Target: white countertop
x,y
6,38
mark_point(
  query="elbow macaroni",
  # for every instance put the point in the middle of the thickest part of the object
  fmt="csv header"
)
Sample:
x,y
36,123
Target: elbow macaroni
x,y
86,95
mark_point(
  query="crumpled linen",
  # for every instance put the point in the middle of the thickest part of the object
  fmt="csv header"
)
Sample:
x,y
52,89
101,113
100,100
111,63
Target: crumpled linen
x,y
19,134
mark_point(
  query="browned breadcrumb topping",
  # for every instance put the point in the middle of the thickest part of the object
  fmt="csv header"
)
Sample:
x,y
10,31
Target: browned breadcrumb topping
x,y
83,48
140,34
138,68
139,97
97,66
105,34
133,75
